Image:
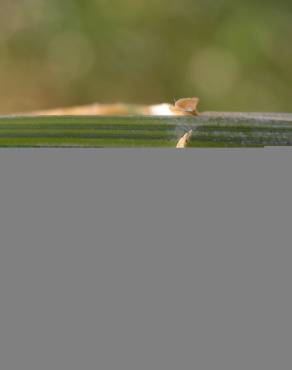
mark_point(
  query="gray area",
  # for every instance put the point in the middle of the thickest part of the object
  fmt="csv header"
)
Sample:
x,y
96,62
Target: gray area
x,y
144,259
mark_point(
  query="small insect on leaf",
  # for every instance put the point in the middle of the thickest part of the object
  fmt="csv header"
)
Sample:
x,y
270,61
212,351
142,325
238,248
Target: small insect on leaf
x,y
187,105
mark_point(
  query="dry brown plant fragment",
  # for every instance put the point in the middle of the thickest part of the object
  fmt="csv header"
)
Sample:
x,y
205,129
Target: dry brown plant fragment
x,y
184,140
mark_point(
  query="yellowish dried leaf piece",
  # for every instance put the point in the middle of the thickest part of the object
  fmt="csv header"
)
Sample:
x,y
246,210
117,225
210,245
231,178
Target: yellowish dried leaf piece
x,y
90,109
111,109
183,141
182,107
187,105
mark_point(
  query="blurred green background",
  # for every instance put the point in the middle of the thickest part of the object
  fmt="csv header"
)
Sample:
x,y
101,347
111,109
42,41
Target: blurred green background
x,y
234,55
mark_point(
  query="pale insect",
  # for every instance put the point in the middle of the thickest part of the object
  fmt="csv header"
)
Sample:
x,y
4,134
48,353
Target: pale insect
x,y
187,105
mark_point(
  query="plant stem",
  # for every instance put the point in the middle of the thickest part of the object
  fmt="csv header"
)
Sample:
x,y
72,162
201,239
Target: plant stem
x,y
208,130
